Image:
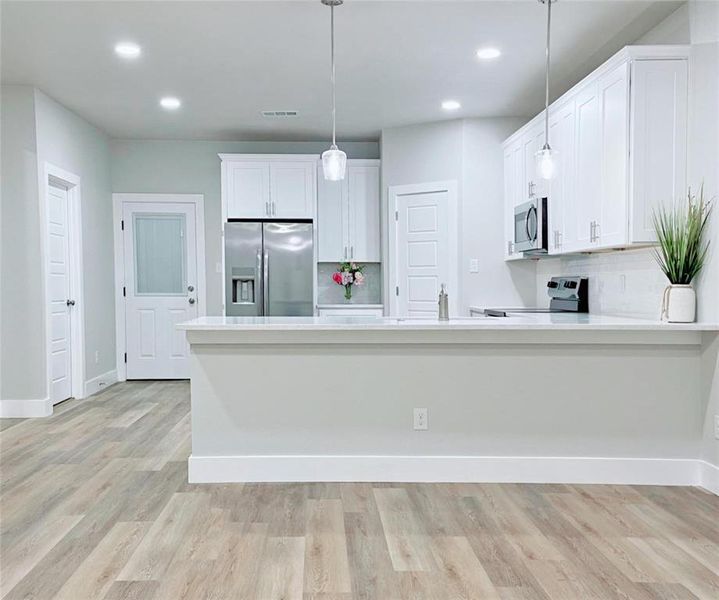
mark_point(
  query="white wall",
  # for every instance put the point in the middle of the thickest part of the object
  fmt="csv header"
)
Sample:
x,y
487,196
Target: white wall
x,y
193,167
22,341
67,141
469,152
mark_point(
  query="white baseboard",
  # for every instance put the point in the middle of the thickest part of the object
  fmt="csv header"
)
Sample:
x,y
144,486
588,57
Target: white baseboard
x,y
471,469
94,385
22,409
709,476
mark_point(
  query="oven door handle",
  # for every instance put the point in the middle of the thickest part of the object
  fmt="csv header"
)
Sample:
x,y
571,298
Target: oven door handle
x,y
530,237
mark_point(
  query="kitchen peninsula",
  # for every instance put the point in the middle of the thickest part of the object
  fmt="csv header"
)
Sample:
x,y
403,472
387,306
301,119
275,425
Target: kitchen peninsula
x,y
540,398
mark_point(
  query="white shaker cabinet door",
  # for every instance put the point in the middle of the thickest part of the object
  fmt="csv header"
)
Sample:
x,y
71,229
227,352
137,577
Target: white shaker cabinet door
x,y
292,189
562,226
659,141
363,196
332,219
611,228
247,187
585,210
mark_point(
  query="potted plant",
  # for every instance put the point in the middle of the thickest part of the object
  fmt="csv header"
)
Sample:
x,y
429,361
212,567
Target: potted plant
x,y
681,254
347,275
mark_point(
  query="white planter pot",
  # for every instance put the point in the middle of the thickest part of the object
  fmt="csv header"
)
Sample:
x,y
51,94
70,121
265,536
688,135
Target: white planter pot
x,y
679,304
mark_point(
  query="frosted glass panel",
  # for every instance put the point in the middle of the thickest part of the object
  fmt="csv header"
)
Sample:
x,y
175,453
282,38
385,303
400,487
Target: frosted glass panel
x,y
160,255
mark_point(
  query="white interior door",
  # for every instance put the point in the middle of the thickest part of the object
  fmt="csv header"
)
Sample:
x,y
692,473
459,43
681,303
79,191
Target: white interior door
x,y
61,305
160,258
425,251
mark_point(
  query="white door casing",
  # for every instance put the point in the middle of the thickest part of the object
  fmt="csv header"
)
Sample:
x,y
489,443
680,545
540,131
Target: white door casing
x,y
424,248
58,294
159,256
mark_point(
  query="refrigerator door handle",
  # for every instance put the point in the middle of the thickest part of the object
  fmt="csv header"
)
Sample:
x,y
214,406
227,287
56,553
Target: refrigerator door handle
x,y
258,278
266,284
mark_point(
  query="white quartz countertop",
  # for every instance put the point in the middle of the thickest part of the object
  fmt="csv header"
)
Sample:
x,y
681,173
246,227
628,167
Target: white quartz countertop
x,y
524,322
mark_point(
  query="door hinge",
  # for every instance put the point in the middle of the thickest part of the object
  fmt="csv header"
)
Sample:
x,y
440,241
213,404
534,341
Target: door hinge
x,y
124,291
122,224
125,356
396,291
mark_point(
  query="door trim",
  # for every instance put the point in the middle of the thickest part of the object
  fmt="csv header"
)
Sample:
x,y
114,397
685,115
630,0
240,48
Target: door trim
x,y
394,191
118,200
53,174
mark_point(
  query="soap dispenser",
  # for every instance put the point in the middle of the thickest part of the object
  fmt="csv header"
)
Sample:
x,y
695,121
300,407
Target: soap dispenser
x,y
443,304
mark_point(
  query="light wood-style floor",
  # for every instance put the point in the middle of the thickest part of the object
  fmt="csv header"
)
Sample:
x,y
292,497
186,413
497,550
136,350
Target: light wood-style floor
x,y
96,505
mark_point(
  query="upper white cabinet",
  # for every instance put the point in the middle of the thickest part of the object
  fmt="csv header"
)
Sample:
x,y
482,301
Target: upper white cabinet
x,y
348,214
268,186
620,137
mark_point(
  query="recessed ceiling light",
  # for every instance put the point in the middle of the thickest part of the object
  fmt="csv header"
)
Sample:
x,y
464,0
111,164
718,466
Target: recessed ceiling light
x,y
128,50
451,105
170,103
488,53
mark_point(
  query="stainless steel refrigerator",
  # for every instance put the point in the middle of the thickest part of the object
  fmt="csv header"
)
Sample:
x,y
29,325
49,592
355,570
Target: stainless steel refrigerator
x,y
268,269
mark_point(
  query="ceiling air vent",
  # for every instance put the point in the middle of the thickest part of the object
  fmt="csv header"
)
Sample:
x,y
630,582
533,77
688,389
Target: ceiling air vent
x,y
279,114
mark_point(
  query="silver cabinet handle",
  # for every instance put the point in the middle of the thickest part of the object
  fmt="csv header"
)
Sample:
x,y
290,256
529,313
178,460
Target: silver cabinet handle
x,y
191,300
596,231
266,284
530,190
345,252
272,208
69,302
352,251
267,208
510,247
559,238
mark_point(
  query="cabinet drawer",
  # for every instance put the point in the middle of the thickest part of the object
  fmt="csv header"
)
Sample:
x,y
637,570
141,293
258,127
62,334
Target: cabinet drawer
x,y
354,311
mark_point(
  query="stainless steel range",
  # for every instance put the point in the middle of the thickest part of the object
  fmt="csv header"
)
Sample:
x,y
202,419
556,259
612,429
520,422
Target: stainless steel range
x,y
567,294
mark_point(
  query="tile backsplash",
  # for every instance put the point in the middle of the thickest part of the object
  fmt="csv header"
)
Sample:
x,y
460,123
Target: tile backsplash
x,y
328,292
627,283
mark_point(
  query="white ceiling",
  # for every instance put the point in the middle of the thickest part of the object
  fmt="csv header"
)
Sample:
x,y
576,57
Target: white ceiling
x,y
227,61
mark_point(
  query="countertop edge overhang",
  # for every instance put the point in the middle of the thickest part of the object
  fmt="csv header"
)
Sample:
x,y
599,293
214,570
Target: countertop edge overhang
x,y
452,337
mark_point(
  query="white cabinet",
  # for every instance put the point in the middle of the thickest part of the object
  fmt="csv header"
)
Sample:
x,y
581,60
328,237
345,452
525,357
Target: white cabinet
x,y
513,187
620,136
562,228
350,311
348,214
268,186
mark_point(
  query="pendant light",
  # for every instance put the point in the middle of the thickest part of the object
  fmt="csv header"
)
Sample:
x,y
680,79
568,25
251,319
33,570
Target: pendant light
x,y
334,161
546,158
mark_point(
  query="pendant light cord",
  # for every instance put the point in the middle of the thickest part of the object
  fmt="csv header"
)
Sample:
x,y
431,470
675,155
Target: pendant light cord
x,y
334,101
546,78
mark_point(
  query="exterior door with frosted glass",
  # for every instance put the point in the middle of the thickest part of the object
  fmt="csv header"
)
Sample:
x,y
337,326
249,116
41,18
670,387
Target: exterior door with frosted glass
x,y
160,287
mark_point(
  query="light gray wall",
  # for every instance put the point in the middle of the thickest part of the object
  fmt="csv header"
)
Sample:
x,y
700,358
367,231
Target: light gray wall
x,y
469,152
67,141
498,283
193,167
22,341
704,167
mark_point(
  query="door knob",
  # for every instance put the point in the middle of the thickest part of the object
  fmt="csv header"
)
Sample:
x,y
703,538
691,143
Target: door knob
x,y
191,300
70,302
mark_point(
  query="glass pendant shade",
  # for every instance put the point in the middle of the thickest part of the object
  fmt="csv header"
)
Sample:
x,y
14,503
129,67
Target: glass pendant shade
x,y
546,162
334,163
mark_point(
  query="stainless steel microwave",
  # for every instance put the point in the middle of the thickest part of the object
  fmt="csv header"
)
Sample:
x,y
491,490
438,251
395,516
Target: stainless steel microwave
x,y
530,227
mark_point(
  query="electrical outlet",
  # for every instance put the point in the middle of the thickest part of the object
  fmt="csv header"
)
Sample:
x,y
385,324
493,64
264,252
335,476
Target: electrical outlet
x,y
716,427
420,419
474,265
97,356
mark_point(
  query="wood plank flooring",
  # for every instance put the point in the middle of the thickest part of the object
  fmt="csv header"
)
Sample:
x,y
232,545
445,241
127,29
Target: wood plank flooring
x,y
95,504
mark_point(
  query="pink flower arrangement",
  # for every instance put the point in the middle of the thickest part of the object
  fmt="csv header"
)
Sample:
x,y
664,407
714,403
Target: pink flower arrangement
x,y
347,275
